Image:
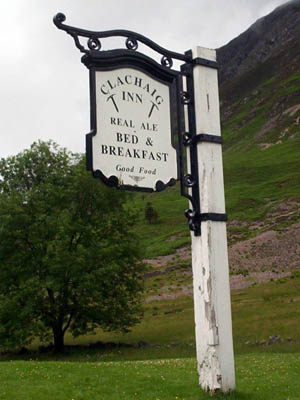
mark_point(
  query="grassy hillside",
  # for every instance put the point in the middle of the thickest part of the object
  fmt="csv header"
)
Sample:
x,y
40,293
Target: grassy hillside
x,y
167,330
261,129
261,311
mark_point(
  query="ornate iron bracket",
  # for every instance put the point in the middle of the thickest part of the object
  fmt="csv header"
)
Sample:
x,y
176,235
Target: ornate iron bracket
x,y
93,44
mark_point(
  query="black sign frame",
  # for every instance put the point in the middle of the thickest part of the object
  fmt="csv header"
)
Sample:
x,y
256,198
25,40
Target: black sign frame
x,y
118,59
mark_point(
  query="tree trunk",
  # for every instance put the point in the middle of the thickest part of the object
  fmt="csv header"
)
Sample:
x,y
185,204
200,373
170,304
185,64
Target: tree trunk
x,y
58,335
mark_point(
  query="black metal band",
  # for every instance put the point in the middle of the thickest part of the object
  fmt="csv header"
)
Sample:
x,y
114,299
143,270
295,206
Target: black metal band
x,y
204,137
190,140
213,217
195,219
205,63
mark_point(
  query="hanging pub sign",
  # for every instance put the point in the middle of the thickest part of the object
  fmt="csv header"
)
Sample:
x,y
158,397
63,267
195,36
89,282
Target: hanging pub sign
x,y
134,112
131,140
137,105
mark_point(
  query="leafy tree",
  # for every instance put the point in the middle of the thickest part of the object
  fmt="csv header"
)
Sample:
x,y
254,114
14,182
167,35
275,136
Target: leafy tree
x,y
151,214
68,258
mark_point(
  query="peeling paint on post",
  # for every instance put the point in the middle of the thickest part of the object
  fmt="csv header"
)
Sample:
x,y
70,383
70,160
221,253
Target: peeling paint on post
x,y
212,306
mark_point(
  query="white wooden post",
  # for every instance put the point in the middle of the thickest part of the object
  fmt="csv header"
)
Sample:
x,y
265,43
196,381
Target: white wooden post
x,y
209,251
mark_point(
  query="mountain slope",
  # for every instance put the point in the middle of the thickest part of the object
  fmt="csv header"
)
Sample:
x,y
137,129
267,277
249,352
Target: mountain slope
x,y
260,111
266,38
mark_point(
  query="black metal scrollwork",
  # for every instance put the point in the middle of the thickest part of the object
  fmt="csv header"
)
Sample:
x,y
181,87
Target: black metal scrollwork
x,y
131,43
189,181
185,98
187,138
94,44
59,18
189,213
167,61
193,221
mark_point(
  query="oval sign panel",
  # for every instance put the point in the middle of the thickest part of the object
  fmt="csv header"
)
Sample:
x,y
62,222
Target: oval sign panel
x,y
132,146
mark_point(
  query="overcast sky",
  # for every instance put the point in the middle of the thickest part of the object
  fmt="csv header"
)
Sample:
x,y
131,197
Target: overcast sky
x,y
44,86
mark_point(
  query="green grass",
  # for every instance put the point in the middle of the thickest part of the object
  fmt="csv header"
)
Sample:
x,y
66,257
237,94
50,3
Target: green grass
x,y
166,367
293,78
253,176
172,222
267,310
259,376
